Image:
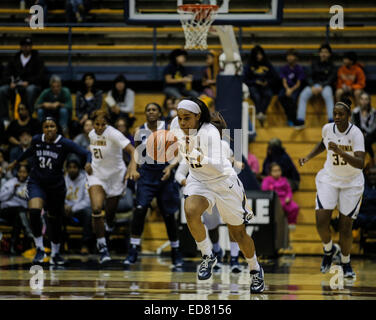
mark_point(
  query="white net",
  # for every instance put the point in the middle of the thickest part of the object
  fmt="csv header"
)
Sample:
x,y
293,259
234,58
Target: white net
x,y
196,21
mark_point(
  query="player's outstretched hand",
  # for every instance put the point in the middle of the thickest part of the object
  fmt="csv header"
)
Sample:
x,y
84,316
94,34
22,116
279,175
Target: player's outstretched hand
x,y
302,161
88,168
132,174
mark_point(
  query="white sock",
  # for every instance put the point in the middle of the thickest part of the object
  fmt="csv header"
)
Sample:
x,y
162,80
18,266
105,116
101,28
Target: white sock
x,y
345,259
253,263
175,244
39,242
55,248
328,246
216,247
101,241
136,241
205,247
234,249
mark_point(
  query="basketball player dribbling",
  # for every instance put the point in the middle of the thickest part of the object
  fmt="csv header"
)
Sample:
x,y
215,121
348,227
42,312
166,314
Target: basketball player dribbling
x,y
340,183
212,181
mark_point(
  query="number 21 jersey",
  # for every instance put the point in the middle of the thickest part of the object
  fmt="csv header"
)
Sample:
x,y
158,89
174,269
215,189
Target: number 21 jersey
x,y
350,141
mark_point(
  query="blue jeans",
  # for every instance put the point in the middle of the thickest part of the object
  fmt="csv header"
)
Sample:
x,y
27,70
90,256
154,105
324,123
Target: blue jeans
x,y
261,96
327,94
61,115
176,93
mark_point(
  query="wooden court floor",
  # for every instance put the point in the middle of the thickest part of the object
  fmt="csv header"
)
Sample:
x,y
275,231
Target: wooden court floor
x,y
287,278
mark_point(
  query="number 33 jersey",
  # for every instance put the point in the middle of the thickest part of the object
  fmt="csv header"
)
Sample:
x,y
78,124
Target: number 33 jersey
x,y
107,152
350,141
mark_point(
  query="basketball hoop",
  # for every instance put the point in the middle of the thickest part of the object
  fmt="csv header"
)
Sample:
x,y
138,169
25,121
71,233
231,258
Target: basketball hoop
x,y
196,20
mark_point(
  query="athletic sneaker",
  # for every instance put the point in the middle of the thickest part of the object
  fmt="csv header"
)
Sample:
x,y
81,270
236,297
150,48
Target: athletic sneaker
x,y
328,258
206,267
104,254
347,270
176,257
234,264
39,256
257,281
219,256
57,259
132,254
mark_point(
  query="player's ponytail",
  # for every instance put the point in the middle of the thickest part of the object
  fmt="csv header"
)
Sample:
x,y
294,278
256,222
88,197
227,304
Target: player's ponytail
x,y
218,121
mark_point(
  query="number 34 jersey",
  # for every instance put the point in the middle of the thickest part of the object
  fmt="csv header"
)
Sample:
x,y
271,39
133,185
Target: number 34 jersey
x,y
351,141
107,152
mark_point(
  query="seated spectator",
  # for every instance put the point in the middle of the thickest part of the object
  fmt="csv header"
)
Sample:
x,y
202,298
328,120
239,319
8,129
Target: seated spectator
x,y
122,125
170,107
88,98
253,163
25,141
83,138
13,198
76,10
364,117
276,153
120,99
259,76
209,77
367,213
24,123
351,79
292,75
320,79
177,81
77,202
24,74
55,101
4,174
276,182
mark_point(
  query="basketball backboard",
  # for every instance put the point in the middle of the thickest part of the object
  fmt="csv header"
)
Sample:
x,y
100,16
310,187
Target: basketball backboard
x,y
231,12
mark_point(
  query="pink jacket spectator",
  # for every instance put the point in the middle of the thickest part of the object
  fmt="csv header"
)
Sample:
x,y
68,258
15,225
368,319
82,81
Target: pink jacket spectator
x,y
282,187
253,163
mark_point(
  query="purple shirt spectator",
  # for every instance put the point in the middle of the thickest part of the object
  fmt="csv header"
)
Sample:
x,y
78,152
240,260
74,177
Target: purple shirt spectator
x,y
292,75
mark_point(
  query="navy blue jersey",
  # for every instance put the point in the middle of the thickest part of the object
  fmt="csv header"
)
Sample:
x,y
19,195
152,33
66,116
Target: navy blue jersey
x,y
48,158
143,135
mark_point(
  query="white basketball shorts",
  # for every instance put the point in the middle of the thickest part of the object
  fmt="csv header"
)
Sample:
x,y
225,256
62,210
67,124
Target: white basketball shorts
x,y
346,194
213,220
228,195
113,185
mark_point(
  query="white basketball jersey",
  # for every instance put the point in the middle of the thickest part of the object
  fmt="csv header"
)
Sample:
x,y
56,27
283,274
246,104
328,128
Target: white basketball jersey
x,y
350,141
107,152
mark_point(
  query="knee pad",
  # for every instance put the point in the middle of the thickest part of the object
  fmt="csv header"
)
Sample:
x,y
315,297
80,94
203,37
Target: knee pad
x,y
98,214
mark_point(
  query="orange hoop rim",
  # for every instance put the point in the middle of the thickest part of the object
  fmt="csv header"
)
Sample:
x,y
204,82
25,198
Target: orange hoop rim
x,y
197,7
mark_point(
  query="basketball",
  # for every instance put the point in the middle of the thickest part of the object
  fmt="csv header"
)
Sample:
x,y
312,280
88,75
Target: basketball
x,y
162,146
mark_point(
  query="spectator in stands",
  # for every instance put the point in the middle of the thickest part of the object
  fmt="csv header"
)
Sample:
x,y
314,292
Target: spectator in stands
x,y
276,182
178,83
24,123
320,79
253,163
77,202
351,79
24,139
120,99
276,153
122,125
170,107
364,117
75,10
13,199
292,75
88,98
55,101
260,77
24,74
209,76
4,174
367,213
4,113
83,138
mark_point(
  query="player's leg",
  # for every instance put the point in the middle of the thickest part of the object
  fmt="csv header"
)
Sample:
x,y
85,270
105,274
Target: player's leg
x,y
212,222
55,213
97,199
111,205
234,255
168,200
345,241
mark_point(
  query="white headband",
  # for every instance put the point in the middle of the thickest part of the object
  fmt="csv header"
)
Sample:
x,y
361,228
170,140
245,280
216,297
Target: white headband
x,y
190,106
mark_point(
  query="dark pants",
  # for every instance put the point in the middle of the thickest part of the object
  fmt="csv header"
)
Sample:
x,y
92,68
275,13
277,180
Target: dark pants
x,y
369,140
261,96
289,104
83,218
